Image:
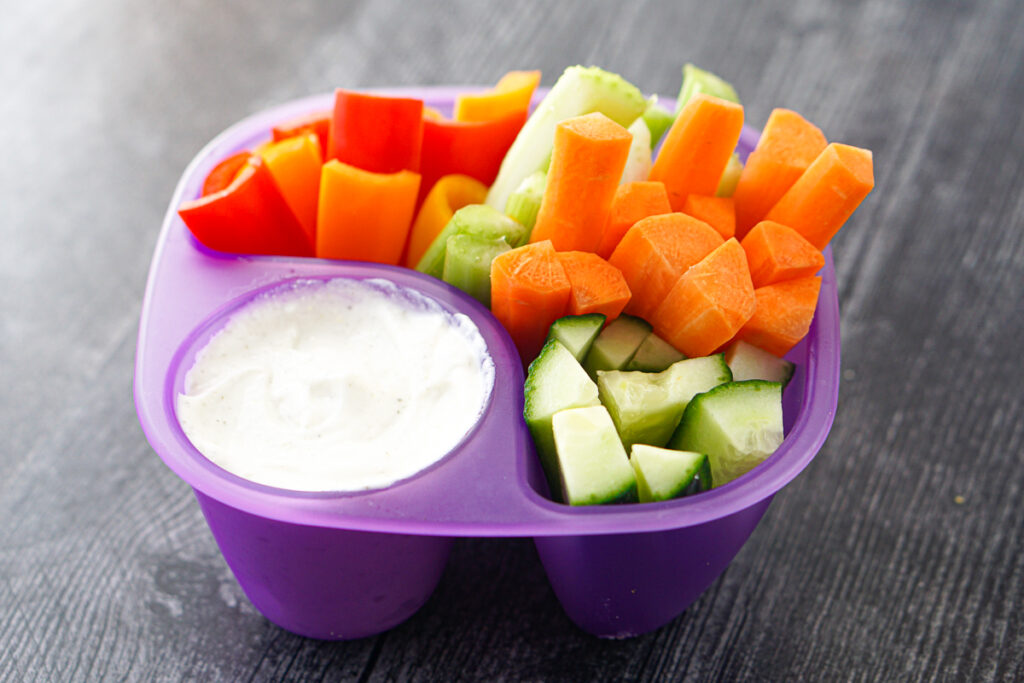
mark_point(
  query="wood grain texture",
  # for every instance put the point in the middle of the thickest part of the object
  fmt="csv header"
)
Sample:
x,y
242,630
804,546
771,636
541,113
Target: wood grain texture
x,y
897,555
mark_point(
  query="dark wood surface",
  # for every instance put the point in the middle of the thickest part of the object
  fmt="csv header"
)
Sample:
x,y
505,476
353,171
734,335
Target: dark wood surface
x,y
897,555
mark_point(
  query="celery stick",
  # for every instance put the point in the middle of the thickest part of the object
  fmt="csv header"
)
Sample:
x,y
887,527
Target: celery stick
x,y
467,264
475,219
638,163
730,177
658,120
524,203
696,80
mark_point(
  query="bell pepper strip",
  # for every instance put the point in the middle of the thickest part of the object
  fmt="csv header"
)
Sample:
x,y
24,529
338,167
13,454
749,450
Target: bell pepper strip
x,y
295,164
249,216
511,95
449,194
376,133
318,123
474,149
224,173
364,216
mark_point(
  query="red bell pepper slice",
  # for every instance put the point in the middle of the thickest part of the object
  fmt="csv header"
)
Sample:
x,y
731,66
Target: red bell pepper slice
x,y
473,148
249,216
375,132
318,123
224,173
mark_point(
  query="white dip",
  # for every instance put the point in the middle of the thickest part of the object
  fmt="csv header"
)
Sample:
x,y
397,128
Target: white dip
x,y
341,385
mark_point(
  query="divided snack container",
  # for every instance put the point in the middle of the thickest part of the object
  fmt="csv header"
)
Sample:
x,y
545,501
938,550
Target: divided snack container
x,y
348,565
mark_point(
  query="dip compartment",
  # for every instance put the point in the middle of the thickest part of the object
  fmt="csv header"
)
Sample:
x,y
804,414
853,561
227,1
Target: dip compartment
x,y
347,565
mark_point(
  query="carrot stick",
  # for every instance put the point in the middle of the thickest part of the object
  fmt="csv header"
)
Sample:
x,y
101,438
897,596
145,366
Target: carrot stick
x,y
697,148
449,194
529,291
776,252
364,216
827,193
787,146
587,159
709,303
718,212
295,164
597,286
783,314
632,201
656,251
511,94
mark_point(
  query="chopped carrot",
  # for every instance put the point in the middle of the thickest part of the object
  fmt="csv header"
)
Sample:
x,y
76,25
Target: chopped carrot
x,y
697,148
295,164
587,159
529,291
821,199
318,123
511,94
718,212
787,146
632,201
776,252
783,314
597,286
709,303
656,251
364,216
449,194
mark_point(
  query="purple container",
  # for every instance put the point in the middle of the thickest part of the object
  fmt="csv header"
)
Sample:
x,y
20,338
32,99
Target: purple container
x,y
348,565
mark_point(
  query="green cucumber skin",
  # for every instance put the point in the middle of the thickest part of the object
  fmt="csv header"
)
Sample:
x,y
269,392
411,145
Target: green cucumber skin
x,y
694,477
616,344
577,332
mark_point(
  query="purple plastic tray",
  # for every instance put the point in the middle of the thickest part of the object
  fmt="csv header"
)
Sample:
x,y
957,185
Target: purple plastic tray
x,y
347,565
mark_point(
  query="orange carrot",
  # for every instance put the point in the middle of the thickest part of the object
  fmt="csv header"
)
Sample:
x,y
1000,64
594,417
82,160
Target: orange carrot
x,y
529,291
776,252
709,303
697,148
449,194
511,94
788,145
632,201
718,212
364,216
656,251
783,314
597,286
295,164
821,199
587,159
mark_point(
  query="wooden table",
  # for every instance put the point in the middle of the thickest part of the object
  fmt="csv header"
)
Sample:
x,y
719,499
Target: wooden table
x,y
897,555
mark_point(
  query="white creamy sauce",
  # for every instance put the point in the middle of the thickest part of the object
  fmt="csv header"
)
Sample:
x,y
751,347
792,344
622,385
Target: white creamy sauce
x,y
341,385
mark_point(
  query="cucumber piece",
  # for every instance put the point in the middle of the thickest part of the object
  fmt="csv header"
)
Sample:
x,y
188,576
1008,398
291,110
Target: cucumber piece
x,y
738,425
697,80
524,204
664,474
730,177
579,90
638,161
476,219
749,362
616,344
577,332
646,406
467,264
658,120
654,355
592,463
554,381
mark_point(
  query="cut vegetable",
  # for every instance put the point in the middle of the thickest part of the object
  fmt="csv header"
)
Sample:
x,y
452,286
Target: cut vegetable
x,y
718,212
474,219
597,286
295,165
638,161
783,314
449,194
579,90
776,252
589,154
738,425
225,172
510,96
658,120
654,355
376,133
746,361
317,123
577,332
467,264
524,204
616,344
593,465
632,201
730,177
664,474
555,381
697,80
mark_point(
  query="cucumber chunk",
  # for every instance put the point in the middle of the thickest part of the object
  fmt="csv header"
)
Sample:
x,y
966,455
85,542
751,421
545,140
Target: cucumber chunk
x,y
638,161
616,344
467,264
592,463
664,474
555,381
480,220
524,204
646,406
697,80
749,362
577,332
738,425
579,90
654,355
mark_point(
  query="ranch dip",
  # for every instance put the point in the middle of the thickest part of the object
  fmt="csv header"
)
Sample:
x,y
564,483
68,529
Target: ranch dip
x,y
337,385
